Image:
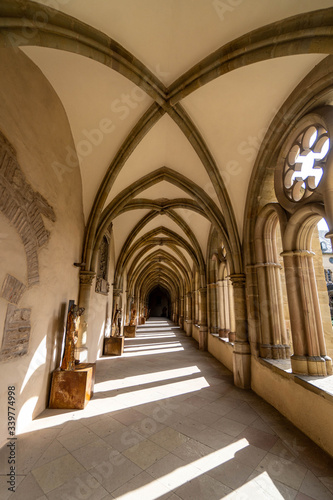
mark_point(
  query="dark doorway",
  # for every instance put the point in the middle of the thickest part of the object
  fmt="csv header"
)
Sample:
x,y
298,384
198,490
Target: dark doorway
x,y
159,302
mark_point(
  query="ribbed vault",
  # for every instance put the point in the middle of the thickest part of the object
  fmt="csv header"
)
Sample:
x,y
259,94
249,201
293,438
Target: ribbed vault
x,y
145,130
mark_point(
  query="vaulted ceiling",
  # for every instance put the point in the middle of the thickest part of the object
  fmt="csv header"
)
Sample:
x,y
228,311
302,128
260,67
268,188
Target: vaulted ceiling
x,y
168,103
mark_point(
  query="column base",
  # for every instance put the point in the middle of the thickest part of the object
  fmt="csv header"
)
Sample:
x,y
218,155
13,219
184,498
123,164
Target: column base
x,y
270,351
81,354
311,365
242,365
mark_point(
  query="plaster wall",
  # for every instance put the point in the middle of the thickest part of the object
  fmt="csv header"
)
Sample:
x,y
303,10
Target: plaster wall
x,y
296,403
223,351
100,306
35,123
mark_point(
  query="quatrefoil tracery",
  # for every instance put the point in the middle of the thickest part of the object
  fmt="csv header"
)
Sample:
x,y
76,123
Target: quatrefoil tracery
x,y
305,162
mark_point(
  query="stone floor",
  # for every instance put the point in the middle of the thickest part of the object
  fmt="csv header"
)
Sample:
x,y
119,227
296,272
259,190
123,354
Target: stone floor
x,y
166,422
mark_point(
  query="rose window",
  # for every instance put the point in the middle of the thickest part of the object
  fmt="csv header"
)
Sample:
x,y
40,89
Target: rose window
x,y
305,162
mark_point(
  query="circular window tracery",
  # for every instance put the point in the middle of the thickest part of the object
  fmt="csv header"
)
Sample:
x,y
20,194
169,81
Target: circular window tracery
x,y
305,162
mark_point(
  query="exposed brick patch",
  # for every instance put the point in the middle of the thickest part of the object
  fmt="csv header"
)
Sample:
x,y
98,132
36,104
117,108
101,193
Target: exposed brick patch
x,y
16,334
23,207
12,289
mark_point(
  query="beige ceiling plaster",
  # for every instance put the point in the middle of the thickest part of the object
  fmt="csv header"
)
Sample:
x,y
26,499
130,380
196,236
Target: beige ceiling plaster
x,y
163,190
164,35
164,145
234,111
165,221
164,248
102,107
122,227
199,225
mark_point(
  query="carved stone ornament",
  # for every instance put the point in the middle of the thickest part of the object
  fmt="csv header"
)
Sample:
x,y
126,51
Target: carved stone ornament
x,y
238,280
87,277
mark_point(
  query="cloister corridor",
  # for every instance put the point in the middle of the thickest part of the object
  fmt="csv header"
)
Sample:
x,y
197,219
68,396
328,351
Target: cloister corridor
x,y
167,422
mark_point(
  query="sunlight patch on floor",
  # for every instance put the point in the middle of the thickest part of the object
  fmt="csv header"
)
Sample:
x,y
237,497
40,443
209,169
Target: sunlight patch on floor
x,y
188,472
146,378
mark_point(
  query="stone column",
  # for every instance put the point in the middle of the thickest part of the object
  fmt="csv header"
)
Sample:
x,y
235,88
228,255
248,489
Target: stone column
x,y
86,281
221,308
226,308
196,307
181,317
212,304
310,355
232,318
128,308
242,353
203,328
189,314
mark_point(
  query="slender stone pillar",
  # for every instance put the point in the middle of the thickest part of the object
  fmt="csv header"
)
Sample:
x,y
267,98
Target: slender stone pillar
x,y
226,308
242,353
232,318
212,305
181,315
86,280
203,328
188,314
310,355
221,309
128,308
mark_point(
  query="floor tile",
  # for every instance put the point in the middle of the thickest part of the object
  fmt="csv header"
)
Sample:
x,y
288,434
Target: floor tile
x,y
124,439
27,489
314,488
93,454
145,453
173,445
173,472
282,470
205,416
192,450
142,486
74,440
231,473
258,438
229,426
168,438
147,426
82,487
203,488
55,450
113,474
106,426
55,473
263,485
214,438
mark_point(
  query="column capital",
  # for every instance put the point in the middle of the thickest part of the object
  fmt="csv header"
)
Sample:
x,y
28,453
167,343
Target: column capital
x,y
301,253
203,291
87,277
117,292
238,280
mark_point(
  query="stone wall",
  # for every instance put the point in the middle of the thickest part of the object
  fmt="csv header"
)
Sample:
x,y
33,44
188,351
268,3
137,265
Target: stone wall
x,y
41,230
